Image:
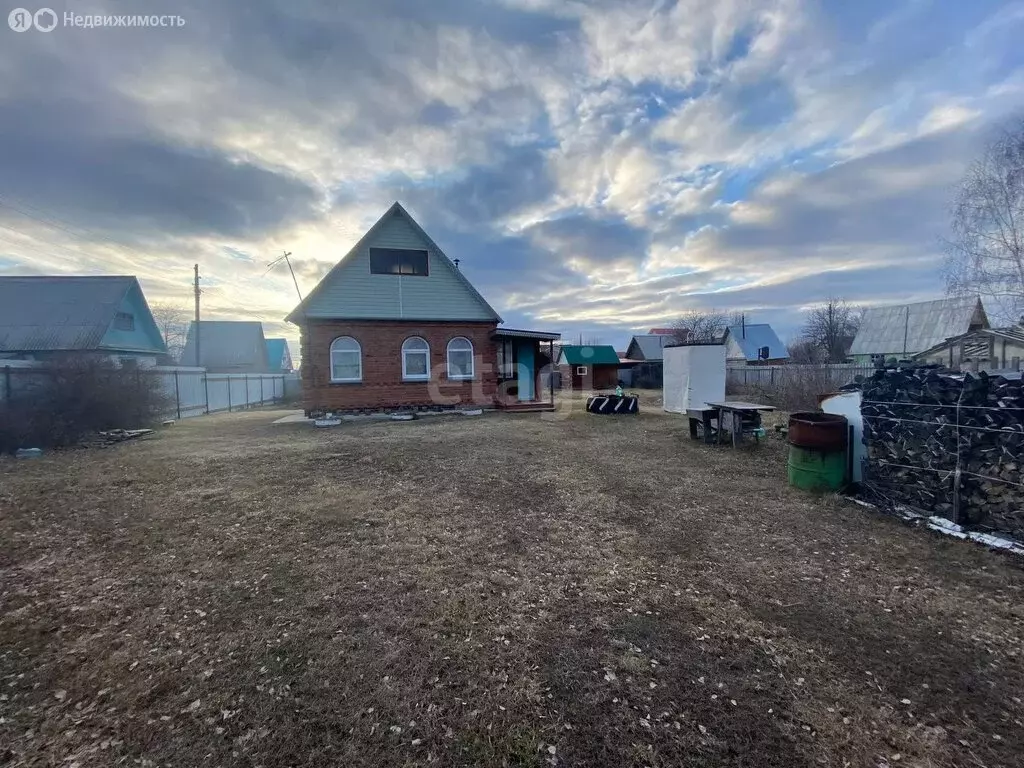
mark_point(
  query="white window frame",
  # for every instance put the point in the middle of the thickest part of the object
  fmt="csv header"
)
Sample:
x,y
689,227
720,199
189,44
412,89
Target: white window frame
x,y
406,376
358,350
472,360
581,370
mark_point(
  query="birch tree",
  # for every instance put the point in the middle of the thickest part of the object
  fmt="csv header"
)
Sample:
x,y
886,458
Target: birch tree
x,y
985,254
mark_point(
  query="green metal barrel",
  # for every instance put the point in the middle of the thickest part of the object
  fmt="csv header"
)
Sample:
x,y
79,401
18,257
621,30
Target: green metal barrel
x,y
815,470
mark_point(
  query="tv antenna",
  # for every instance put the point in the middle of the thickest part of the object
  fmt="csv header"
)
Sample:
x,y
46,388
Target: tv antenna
x,y
286,260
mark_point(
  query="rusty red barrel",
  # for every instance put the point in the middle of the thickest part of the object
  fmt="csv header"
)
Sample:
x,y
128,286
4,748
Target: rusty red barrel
x,y
825,432
817,451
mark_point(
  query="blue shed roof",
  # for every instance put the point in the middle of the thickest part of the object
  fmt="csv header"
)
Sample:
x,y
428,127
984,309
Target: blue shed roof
x,y
753,336
276,350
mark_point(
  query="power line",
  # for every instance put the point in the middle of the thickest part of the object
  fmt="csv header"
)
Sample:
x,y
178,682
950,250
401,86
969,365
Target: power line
x,y
56,222
5,204
50,243
84,236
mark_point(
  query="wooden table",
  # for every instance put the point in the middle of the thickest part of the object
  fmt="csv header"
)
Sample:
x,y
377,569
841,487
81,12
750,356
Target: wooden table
x,y
701,420
742,417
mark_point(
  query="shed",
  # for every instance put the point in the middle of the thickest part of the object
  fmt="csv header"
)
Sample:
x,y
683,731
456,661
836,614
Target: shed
x,y
589,366
227,346
995,348
647,347
905,330
645,352
279,356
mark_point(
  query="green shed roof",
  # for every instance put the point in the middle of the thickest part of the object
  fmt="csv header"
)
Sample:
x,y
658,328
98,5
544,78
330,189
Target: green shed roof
x,y
590,355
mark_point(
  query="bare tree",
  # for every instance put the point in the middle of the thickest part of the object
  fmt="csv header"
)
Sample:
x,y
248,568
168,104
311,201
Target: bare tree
x,y
831,328
805,352
700,325
985,254
173,321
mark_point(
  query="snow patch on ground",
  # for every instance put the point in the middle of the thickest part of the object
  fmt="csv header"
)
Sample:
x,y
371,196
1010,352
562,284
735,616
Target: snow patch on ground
x,y
949,528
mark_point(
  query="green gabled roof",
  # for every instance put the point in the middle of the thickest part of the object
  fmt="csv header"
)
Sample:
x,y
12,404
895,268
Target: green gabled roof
x,y
603,354
349,292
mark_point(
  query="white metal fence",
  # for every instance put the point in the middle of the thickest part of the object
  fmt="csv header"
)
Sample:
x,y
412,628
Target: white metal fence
x,y
190,391
194,391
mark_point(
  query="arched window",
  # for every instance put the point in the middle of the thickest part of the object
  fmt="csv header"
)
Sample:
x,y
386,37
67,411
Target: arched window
x,y
346,359
415,359
460,358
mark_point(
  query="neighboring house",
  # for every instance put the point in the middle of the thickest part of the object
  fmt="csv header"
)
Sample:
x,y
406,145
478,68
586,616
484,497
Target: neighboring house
x,y
227,346
753,343
45,318
997,348
278,356
905,330
669,332
396,324
589,367
645,353
647,348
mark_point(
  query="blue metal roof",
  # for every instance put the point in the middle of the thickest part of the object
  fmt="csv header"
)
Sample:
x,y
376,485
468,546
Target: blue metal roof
x,y
276,350
62,313
753,336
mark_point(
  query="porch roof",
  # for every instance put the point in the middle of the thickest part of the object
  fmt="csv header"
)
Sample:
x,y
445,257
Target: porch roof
x,y
514,333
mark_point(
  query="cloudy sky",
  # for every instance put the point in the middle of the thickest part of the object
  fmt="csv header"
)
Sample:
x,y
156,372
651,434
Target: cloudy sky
x,y
599,167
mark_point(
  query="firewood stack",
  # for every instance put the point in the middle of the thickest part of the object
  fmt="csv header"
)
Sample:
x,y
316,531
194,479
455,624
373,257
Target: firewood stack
x,y
921,425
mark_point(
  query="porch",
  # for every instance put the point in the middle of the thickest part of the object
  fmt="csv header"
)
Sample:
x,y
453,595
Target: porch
x,y
523,356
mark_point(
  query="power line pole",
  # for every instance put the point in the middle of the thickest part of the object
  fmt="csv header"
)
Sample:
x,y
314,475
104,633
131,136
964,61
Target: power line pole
x,y
196,269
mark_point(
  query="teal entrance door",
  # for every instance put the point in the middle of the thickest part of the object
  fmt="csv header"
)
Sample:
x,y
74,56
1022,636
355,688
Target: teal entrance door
x,y
526,370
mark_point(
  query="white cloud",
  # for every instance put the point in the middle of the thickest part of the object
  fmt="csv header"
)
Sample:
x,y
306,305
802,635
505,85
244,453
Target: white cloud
x,y
829,142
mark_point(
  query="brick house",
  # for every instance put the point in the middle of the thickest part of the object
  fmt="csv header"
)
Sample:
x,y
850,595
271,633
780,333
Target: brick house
x,y
395,325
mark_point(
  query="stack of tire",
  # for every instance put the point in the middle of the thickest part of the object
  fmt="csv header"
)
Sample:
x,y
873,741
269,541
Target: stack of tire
x,y
613,404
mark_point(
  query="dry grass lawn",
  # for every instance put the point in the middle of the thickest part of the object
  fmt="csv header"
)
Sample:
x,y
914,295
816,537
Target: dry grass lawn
x,y
499,591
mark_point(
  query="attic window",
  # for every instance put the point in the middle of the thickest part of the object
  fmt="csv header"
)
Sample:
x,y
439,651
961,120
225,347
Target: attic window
x,y
398,261
124,321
